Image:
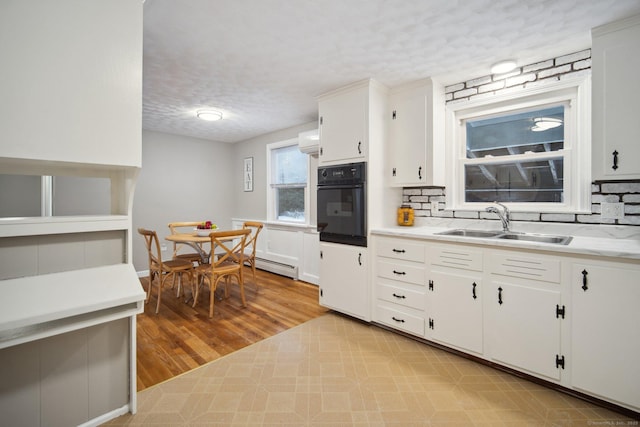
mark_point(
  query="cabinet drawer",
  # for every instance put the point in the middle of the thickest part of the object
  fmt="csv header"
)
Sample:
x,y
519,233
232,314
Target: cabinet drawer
x,y
405,272
400,320
529,267
400,249
401,295
457,257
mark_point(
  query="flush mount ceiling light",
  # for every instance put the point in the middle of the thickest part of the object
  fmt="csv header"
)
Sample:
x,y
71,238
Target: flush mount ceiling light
x,y
503,67
545,123
209,115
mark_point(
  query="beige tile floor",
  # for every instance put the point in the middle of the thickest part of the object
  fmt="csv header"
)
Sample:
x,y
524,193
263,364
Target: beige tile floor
x,y
334,371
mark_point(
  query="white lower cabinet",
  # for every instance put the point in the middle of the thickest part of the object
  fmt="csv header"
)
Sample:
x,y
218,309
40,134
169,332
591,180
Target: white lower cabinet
x,y
523,319
522,328
343,279
605,333
566,319
399,289
455,297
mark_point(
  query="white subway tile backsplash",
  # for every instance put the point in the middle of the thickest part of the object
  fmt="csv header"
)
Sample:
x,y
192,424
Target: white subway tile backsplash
x,y
554,71
538,66
573,57
518,80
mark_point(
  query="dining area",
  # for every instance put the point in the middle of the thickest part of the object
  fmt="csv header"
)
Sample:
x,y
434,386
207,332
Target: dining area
x,y
203,257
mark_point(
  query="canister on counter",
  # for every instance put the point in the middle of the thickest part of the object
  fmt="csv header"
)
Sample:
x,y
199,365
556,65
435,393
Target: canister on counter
x,y
405,215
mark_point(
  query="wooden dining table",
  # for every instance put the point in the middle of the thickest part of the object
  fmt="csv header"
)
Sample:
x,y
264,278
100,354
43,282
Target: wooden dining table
x,y
195,241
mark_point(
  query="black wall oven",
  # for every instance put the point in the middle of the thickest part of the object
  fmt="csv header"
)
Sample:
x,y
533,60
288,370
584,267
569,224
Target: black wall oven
x,y
342,216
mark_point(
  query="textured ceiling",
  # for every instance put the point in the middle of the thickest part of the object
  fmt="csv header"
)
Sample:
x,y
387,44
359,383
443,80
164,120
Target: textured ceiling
x,y
263,62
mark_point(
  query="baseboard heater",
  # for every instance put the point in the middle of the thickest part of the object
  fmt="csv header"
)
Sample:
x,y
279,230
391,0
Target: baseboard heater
x,y
277,268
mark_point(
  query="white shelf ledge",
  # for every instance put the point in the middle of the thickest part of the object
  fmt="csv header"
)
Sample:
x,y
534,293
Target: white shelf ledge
x,y
35,226
37,307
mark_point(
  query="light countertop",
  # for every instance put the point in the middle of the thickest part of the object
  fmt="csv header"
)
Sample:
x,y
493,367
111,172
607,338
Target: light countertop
x,y
603,242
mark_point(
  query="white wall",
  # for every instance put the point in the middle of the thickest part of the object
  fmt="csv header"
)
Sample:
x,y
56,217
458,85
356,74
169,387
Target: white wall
x,y
182,179
253,204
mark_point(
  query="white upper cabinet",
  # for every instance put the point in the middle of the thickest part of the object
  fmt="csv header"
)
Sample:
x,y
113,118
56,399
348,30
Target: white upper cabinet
x,y
71,85
616,100
347,118
416,134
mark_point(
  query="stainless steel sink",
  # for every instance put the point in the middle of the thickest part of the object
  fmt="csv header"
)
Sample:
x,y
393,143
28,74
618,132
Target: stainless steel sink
x,y
525,237
541,238
470,233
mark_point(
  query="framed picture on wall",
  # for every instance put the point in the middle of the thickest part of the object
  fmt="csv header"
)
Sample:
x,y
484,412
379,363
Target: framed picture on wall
x,y
248,174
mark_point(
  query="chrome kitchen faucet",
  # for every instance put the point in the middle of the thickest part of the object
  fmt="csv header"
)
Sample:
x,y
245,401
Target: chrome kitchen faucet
x,y
505,215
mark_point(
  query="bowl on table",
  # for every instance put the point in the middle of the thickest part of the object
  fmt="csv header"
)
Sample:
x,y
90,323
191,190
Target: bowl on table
x,y
204,232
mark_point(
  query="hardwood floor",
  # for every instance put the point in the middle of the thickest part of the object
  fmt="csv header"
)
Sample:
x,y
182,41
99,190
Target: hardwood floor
x,y
180,338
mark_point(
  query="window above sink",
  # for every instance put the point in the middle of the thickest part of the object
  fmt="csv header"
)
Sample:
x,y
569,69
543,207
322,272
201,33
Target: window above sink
x,y
529,149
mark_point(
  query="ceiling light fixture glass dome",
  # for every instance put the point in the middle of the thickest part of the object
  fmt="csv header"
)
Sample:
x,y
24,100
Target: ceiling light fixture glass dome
x,y
503,66
209,115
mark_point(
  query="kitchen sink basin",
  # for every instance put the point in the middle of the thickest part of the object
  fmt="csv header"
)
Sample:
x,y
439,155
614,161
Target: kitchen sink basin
x,y
541,238
470,233
525,237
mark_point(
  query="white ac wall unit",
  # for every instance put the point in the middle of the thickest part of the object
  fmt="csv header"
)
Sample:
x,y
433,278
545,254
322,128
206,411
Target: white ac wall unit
x,y
309,142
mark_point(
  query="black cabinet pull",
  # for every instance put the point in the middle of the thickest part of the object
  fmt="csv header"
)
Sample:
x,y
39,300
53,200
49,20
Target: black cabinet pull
x,y
393,172
393,115
474,290
615,160
430,285
398,251
500,295
397,320
420,173
360,259
584,280
400,273
399,296
359,147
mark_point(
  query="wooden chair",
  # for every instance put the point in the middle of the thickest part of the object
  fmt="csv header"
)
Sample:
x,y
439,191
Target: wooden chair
x,y
250,249
225,244
189,256
162,270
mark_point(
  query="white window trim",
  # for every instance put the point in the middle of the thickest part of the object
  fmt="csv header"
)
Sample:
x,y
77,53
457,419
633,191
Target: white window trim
x,y
577,160
271,203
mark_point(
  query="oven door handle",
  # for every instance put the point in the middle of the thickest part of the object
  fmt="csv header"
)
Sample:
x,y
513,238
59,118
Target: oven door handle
x,y
339,187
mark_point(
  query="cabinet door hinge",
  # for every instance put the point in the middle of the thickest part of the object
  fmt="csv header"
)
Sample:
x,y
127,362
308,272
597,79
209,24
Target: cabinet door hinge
x,y
430,285
560,311
559,361
430,323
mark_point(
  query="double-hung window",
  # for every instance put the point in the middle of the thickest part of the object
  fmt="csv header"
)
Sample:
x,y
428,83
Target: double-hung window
x,y
288,171
530,150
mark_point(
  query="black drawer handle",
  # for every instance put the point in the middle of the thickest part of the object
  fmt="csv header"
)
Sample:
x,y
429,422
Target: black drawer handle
x,y
420,173
397,320
584,280
474,291
398,251
615,160
399,296
359,147
500,296
400,273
